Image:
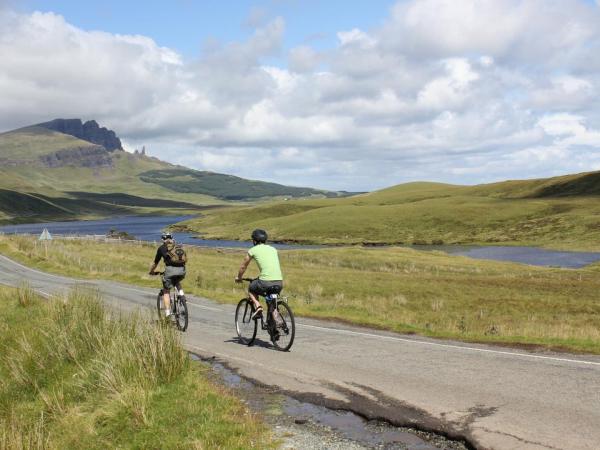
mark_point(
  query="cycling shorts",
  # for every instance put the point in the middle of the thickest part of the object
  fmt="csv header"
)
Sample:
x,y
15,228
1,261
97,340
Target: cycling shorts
x,y
173,276
260,287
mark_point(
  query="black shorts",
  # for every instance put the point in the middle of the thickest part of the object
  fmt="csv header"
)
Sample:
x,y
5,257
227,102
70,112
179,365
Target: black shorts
x,y
262,287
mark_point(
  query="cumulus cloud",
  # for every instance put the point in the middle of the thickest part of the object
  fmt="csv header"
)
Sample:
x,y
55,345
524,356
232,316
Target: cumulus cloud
x,y
461,91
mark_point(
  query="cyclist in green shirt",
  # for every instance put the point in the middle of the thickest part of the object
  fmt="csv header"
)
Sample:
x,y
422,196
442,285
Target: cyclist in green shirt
x,y
270,271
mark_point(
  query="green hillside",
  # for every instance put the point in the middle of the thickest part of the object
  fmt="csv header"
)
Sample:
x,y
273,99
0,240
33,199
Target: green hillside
x,y
47,175
561,212
227,187
89,182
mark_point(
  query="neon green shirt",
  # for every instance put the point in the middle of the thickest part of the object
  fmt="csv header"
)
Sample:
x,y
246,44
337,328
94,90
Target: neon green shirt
x,y
268,262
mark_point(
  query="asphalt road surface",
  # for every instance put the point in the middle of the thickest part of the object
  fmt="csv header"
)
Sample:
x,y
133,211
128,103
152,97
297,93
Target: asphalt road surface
x,y
494,397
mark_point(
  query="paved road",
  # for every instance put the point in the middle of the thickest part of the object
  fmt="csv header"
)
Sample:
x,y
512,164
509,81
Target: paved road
x,y
494,397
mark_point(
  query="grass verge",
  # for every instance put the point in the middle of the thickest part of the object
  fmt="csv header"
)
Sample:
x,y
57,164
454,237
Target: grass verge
x,y
397,289
72,375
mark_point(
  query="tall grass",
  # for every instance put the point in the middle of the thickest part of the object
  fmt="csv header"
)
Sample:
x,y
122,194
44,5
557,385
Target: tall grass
x,y
75,375
14,435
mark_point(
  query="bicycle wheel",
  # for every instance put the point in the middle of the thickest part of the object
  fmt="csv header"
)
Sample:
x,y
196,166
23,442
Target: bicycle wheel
x,y
181,315
160,306
244,325
287,329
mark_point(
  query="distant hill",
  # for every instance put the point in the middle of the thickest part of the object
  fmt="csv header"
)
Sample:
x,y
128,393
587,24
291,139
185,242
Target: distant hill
x,y
559,212
66,169
227,187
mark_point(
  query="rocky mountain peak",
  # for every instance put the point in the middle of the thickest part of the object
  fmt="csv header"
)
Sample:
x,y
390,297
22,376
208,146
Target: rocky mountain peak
x,y
89,131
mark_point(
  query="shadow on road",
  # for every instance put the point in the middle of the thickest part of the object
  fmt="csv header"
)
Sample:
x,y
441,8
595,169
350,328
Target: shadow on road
x,y
257,343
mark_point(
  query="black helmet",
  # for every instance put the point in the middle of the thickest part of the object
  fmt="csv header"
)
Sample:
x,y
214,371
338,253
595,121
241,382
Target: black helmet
x,y
166,236
259,235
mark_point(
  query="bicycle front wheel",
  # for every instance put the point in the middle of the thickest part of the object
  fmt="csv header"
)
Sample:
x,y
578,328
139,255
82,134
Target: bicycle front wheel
x,y
245,326
181,315
286,330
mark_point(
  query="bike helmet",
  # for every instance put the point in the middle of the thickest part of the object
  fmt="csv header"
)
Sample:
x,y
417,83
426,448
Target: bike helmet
x,y
166,236
259,235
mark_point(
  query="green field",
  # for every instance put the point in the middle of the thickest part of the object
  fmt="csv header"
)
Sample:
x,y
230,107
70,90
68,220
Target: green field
x,y
562,212
73,375
403,290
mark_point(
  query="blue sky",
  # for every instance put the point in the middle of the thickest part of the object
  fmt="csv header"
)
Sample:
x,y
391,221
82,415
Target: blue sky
x,y
185,25
334,94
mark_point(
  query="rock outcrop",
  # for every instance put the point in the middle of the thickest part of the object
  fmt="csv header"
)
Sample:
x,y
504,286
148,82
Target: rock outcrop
x,y
94,156
89,131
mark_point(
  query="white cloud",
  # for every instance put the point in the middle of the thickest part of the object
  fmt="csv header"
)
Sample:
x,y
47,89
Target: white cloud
x,y
460,91
563,92
562,124
356,37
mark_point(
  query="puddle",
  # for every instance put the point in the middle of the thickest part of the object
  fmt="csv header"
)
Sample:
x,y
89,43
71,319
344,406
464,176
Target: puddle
x,y
278,408
354,427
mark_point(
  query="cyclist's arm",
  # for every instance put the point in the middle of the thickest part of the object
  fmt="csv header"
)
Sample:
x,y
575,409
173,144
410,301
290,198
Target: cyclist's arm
x,y
157,259
243,267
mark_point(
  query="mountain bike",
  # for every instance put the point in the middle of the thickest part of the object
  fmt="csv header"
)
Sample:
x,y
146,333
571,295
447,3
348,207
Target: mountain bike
x,y
179,310
281,329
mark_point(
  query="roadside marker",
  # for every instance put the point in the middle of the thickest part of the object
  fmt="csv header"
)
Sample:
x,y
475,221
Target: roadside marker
x,y
45,236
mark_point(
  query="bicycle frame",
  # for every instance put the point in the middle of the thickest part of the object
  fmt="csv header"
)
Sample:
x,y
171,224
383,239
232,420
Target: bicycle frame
x,y
272,300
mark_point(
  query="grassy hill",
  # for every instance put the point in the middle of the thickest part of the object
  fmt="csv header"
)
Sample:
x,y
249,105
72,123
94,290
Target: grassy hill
x,y
47,175
560,212
227,187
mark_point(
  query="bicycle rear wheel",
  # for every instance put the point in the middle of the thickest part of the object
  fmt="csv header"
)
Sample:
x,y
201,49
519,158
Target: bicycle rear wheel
x,y
160,306
245,326
286,330
181,315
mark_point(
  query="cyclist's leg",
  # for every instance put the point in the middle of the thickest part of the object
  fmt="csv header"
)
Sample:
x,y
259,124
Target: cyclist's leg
x,y
253,294
172,276
254,299
167,285
179,287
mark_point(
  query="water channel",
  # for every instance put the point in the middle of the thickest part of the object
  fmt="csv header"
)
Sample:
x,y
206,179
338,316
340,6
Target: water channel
x,y
148,228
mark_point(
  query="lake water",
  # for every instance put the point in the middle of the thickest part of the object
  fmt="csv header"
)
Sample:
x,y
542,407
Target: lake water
x,y
147,228
150,228
526,255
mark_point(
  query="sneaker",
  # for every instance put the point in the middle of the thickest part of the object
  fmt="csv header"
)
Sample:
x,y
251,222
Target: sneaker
x,y
257,314
167,312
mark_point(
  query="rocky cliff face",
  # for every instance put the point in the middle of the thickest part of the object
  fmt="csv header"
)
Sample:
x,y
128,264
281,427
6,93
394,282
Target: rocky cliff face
x,y
94,156
89,131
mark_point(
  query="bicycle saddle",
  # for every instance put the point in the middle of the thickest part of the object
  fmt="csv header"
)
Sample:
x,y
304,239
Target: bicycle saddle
x,y
273,290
